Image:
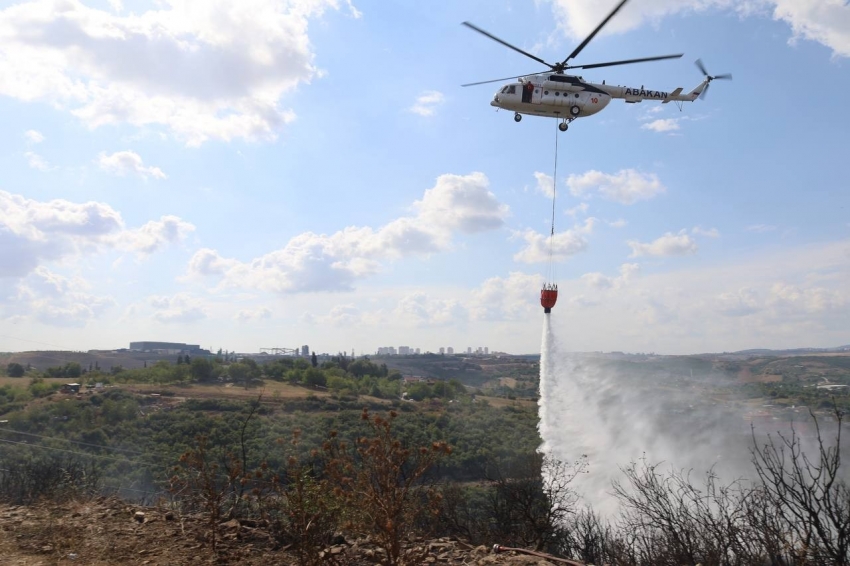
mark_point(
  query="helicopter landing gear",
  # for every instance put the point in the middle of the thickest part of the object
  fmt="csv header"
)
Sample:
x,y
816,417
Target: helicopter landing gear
x,y
517,117
575,110
565,124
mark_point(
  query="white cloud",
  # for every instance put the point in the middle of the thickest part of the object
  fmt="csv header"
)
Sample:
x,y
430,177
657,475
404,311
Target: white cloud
x,y
667,245
208,262
619,223
35,232
179,308
563,245
250,315
53,299
36,161
123,162
581,208
742,302
320,262
626,186
203,70
596,280
545,185
461,203
824,21
33,137
419,309
156,234
709,233
506,298
664,125
789,299
760,228
426,103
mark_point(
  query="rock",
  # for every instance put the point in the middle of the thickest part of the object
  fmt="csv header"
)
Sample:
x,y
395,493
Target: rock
x,y
139,516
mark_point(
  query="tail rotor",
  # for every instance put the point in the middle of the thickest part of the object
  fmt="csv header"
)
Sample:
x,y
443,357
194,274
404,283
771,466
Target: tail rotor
x,y
709,78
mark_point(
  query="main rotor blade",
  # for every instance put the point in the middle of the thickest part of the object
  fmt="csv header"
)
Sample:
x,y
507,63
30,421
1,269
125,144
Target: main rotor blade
x,y
701,67
582,45
497,80
505,43
723,76
704,92
626,62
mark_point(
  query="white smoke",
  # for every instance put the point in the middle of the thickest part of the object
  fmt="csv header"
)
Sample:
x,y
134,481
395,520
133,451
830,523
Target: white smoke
x,y
616,412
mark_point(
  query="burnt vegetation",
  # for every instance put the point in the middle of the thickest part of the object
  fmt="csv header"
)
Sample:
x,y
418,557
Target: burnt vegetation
x,y
795,510
316,470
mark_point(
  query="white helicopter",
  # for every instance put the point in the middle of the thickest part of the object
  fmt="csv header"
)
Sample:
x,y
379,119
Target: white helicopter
x,y
568,97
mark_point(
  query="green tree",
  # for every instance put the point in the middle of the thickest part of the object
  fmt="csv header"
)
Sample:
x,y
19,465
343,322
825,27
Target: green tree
x,y
15,369
202,369
73,370
239,372
314,377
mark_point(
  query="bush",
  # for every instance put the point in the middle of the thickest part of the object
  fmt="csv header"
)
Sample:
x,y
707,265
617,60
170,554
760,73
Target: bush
x,y
55,479
15,370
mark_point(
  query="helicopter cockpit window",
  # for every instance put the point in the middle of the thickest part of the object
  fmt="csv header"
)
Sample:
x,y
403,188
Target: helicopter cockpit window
x,y
504,90
512,89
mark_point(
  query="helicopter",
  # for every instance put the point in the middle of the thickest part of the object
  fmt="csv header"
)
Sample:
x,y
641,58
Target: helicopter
x,y
556,94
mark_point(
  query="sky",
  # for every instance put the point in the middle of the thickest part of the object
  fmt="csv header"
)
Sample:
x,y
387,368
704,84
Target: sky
x,y
272,173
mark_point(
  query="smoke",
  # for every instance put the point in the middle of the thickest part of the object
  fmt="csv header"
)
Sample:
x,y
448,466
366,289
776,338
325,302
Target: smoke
x,y
616,409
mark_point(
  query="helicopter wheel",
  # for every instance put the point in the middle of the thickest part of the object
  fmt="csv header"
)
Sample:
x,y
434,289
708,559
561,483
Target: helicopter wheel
x,y
517,117
563,126
575,110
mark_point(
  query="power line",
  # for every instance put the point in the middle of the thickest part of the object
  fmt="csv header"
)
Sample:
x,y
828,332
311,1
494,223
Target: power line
x,y
73,441
32,341
43,447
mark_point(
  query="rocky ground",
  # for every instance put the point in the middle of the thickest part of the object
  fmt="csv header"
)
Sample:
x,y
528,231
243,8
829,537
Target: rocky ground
x,y
107,532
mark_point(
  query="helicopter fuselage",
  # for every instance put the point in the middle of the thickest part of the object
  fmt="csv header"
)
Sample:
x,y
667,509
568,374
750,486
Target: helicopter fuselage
x,y
570,97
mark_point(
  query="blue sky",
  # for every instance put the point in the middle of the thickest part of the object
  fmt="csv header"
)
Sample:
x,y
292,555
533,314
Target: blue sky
x,y
277,173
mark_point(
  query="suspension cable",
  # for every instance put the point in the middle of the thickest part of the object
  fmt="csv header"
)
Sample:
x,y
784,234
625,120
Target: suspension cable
x,y
551,268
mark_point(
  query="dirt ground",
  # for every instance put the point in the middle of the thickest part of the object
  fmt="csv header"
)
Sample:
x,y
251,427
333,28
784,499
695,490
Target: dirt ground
x,y
111,532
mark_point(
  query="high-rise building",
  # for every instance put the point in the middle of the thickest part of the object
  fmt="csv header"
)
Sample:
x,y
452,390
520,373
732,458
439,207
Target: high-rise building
x,y
417,350
442,350
486,350
450,350
469,350
305,351
404,350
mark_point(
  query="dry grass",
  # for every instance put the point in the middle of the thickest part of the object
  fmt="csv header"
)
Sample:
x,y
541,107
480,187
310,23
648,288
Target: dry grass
x,y
500,402
271,390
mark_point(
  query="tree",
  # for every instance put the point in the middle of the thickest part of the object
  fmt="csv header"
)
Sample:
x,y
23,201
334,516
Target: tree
x,y
315,377
314,360
808,494
239,372
382,483
179,359
201,369
73,370
529,502
15,369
